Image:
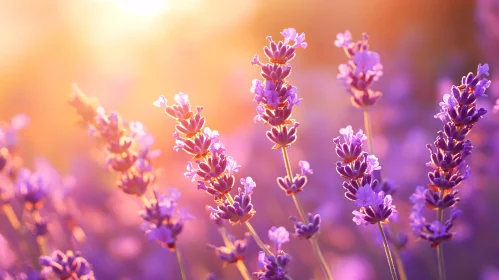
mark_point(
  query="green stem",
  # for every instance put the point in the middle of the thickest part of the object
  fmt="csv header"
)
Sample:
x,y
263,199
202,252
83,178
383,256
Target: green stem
x,y
388,253
399,263
313,240
239,263
440,249
368,129
180,264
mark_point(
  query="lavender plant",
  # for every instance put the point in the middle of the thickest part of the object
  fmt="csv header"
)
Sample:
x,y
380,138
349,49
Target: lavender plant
x,y
357,168
276,98
459,113
357,76
211,166
128,153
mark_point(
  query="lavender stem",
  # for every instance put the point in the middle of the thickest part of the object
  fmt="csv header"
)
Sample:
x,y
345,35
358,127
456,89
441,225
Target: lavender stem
x,y
367,127
239,263
440,249
180,264
388,253
11,216
313,240
40,239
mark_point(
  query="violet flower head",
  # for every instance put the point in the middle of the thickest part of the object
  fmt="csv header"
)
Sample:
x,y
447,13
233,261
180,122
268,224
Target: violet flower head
x,y
232,255
274,95
164,221
298,182
211,167
239,210
361,185
362,69
274,267
308,230
448,153
66,266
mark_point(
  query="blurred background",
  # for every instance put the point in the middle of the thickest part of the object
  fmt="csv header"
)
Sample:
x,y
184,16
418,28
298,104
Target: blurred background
x,y
127,52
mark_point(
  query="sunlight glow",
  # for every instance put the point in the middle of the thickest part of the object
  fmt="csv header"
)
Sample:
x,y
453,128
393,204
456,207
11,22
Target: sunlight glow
x,y
143,8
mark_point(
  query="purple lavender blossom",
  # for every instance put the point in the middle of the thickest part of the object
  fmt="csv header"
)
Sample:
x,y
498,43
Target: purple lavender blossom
x,y
362,69
210,166
274,95
298,182
357,169
274,267
232,255
241,209
164,221
448,154
66,266
308,230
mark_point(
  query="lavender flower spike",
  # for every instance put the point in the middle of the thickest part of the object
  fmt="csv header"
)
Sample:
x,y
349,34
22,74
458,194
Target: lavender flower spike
x,y
232,255
66,266
448,154
362,69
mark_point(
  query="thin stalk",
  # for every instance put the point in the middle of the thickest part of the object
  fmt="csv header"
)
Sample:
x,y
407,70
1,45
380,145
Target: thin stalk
x,y
40,239
12,217
388,253
144,200
248,225
180,264
368,129
399,264
313,240
239,263
440,249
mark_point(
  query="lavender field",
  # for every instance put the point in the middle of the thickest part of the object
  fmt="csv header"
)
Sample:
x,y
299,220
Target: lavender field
x,y
193,139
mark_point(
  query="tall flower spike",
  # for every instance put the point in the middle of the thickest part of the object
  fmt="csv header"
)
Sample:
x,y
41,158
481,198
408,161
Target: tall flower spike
x,y
275,97
164,222
362,69
66,266
127,144
210,166
459,113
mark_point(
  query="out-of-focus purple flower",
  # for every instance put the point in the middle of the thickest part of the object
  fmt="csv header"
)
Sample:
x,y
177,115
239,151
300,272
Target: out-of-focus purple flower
x,y
343,40
305,168
164,221
496,107
275,96
232,255
459,113
127,144
31,188
361,70
66,266
278,235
